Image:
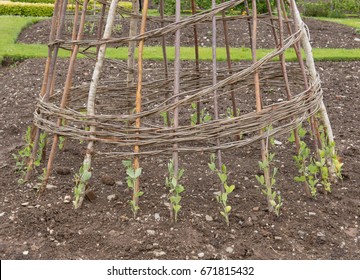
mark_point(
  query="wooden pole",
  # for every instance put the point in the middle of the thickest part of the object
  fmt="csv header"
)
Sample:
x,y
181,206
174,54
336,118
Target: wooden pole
x,y
197,65
93,89
138,96
264,147
296,46
165,59
59,16
214,82
132,44
228,60
287,85
313,76
176,94
66,91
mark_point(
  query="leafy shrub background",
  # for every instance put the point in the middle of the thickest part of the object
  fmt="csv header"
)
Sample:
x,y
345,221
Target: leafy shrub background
x,y
169,5
38,9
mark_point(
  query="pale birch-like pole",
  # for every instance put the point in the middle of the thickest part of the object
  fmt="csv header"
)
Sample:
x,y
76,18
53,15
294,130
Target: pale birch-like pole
x,y
92,94
176,94
305,43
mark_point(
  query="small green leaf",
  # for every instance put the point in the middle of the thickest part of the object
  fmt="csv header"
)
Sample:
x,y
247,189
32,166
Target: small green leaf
x,y
223,168
181,173
300,179
223,213
224,197
175,199
177,207
260,179
229,189
86,176
174,182
138,194
212,166
223,177
138,172
179,189
227,209
130,172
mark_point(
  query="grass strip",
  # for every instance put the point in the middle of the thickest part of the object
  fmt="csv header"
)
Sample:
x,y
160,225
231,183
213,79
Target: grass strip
x,y
11,26
352,22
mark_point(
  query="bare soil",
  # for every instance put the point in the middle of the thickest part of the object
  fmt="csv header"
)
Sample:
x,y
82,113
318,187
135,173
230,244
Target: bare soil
x,y
323,228
323,34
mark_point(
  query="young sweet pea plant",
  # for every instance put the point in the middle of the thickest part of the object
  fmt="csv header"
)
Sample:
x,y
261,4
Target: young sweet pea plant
x,y
313,169
81,180
274,198
24,155
175,189
222,197
204,115
132,176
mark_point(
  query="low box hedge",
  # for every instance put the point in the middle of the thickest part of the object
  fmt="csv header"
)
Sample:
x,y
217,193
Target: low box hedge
x,y
39,9
26,9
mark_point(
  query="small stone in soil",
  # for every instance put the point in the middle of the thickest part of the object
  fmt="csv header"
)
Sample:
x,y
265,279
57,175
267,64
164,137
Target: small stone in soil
x,y
150,232
25,253
256,208
67,199
112,197
278,238
25,204
50,187
201,255
208,218
312,214
157,217
158,253
2,214
119,183
229,250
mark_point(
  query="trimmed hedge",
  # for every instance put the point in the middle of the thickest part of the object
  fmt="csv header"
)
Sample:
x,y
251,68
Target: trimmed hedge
x,y
34,1
26,9
38,9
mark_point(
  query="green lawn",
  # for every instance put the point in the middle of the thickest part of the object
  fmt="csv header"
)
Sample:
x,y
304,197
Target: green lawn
x,y
352,22
11,26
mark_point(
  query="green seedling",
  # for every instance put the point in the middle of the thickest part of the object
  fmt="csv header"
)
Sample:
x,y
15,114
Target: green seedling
x,y
132,176
204,115
230,112
23,156
175,189
274,198
165,117
81,180
222,197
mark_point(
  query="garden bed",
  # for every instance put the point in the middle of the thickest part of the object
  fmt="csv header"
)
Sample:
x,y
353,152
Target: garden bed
x,y
48,228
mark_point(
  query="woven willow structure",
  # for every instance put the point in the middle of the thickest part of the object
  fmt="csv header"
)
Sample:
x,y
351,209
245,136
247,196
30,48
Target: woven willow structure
x,y
152,117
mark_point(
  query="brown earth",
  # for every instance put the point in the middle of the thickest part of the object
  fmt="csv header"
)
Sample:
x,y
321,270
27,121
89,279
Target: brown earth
x,y
323,34
48,228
